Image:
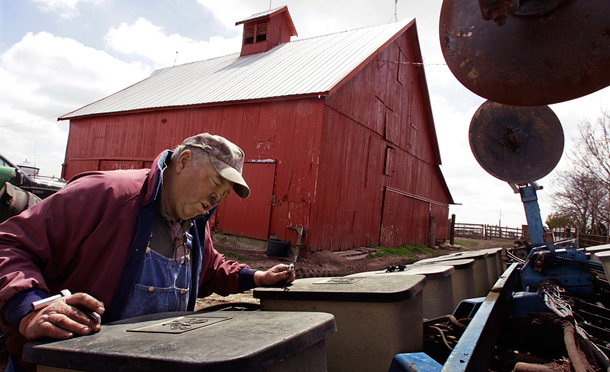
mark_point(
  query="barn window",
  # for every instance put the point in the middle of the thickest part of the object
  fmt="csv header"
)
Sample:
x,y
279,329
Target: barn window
x,y
249,34
389,161
261,31
255,32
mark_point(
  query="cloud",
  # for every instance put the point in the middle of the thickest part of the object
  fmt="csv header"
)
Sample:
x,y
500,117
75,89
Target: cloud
x,y
43,77
144,39
61,73
230,11
311,18
65,8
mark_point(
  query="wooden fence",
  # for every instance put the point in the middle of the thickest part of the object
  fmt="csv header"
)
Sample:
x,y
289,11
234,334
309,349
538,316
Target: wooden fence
x,y
584,240
480,231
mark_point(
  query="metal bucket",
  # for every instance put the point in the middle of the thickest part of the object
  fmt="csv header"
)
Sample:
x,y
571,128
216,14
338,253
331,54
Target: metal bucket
x,y
277,248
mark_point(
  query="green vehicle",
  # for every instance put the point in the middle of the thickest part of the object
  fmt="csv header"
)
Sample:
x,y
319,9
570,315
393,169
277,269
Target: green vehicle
x,y
13,200
39,186
19,190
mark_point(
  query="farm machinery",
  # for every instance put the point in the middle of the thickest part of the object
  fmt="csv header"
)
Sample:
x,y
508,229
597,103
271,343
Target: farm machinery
x,y
522,56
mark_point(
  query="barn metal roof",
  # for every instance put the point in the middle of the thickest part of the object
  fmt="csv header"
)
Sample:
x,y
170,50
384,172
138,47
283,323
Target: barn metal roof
x,y
262,14
301,67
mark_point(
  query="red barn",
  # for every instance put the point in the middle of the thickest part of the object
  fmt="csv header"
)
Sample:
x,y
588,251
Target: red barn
x,y
341,149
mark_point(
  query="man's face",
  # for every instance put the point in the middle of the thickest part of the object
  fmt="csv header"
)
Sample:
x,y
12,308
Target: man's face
x,y
195,190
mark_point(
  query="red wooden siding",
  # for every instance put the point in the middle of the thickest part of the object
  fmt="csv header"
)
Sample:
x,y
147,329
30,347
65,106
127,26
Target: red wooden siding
x,y
403,219
285,132
249,217
358,167
363,135
347,210
120,164
441,213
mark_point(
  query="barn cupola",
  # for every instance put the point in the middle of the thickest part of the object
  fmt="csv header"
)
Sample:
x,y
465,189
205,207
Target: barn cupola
x,y
263,31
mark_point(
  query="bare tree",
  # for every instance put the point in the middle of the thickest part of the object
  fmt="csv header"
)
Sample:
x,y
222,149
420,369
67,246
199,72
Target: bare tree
x,y
593,149
580,198
584,187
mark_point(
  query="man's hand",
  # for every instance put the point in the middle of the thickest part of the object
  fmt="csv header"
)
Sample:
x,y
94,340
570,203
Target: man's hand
x,y
62,318
275,275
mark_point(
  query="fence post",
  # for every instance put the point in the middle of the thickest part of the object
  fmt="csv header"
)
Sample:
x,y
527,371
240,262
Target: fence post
x,y
432,232
452,230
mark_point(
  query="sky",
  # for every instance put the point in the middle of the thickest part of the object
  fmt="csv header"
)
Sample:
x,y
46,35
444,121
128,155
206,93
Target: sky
x,y
59,55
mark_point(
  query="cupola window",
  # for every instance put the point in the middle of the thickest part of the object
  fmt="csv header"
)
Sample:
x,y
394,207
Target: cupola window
x,y
261,31
249,34
258,29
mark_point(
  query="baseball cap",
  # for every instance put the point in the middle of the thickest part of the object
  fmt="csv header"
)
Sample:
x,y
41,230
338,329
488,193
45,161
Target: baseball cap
x,y
227,158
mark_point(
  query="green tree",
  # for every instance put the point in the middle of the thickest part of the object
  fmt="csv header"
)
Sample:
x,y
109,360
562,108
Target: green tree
x,y
557,220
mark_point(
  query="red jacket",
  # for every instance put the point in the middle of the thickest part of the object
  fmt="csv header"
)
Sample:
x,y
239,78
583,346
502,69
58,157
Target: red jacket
x,y
91,237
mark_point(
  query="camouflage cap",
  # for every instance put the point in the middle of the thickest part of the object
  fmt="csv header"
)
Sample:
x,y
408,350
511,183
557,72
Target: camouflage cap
x,y
227,158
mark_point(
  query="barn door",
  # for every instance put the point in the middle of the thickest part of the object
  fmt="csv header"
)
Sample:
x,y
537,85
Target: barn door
x,y
249,217
404,219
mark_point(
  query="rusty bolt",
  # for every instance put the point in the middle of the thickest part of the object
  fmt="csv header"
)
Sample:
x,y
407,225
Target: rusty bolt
x,y
499,14
498,10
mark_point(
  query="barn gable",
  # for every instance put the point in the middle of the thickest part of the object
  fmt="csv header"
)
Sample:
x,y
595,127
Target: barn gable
x,y
338,133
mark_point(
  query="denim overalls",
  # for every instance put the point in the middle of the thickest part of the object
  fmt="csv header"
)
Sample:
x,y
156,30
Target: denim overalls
x,y
162,285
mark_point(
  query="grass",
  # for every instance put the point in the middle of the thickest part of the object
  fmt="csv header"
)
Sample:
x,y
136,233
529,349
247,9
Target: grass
x,y
235,256
465,243
413,252
506,243
406,251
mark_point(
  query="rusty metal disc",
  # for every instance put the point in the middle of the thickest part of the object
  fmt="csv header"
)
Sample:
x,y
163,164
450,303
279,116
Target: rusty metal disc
x,y
541,55
516,144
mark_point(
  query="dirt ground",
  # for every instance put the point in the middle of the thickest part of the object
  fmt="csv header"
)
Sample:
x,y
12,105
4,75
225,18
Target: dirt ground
x,y
324,264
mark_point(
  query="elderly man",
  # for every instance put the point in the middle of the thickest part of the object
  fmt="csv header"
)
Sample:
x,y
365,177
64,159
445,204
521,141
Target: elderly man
x,y
126,243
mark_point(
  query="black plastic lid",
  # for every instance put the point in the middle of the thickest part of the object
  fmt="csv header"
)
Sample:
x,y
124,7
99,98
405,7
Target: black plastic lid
x,y
458,263
374,288
214,341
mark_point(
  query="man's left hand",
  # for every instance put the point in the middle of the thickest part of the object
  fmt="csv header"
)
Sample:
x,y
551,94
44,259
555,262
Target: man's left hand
x,y
278,274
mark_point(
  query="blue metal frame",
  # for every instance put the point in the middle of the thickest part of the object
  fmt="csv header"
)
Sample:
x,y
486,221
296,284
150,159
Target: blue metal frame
x,y
569,266
564,263
532,213
475,348
414,362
